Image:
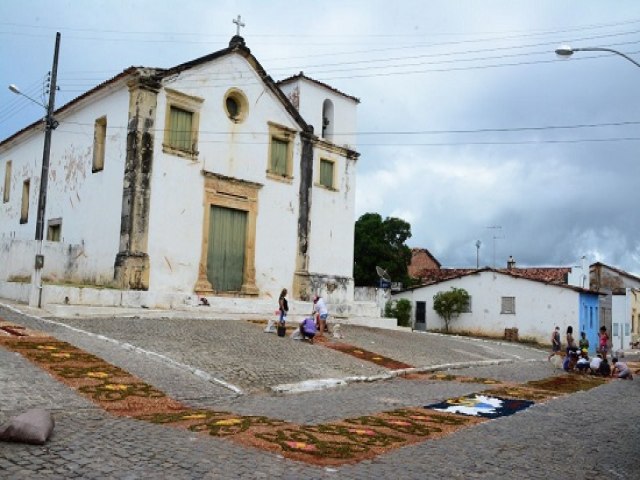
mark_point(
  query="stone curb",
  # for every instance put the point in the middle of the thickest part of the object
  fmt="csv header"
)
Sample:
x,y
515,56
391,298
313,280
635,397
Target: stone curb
x,y
326,383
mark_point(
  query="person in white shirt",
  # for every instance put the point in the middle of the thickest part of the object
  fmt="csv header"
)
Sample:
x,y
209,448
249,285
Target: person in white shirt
x,y
595,364
321,313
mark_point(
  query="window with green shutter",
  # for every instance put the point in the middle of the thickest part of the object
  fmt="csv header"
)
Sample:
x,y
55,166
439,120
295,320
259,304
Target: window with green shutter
x,y
182,122
181,129
279,154
326,173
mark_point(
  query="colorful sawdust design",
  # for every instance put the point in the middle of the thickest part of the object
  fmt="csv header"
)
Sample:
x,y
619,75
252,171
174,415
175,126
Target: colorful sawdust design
x,y
345,441
372,357
447,377
15,330
567,383
518,392
481,405
217,424
356,439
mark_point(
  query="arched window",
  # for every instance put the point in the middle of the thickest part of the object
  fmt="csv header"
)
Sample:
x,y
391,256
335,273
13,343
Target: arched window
x,y
327,120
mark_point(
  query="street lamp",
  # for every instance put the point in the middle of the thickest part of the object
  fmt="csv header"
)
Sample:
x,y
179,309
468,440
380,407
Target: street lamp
x,y
565,51
35,298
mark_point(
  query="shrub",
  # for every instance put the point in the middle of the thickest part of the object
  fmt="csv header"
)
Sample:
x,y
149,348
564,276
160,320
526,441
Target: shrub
x,y
399,309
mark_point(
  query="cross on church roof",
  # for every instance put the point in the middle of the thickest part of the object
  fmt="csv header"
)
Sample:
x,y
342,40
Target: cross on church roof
x,y
239,23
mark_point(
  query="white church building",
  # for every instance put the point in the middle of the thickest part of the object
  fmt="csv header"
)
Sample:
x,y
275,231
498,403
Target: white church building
x,y
207,179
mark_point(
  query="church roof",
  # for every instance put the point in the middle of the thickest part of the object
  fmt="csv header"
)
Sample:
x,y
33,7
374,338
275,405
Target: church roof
x,y
301,75
236,45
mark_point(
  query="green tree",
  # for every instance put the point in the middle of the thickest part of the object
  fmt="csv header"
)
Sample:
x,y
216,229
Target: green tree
x,y
381,243
451,304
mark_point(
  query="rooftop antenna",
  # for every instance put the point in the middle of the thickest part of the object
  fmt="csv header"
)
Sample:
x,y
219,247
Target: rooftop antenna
x,y
495,237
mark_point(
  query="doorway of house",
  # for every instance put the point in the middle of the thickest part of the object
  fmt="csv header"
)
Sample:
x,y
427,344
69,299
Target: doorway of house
x,y
227,240
421,316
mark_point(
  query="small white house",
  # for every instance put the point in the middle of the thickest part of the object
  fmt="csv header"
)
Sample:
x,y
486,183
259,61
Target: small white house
x,y
622,315
501,300
204,179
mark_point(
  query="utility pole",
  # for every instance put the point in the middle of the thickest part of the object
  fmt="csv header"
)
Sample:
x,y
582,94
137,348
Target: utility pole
x,y
35,299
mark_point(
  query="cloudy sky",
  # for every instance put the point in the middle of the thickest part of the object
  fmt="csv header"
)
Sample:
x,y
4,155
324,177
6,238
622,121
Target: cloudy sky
x,y
469,128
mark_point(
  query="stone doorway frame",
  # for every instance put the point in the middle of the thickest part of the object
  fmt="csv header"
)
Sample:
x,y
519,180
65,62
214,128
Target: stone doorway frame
x,y
228,192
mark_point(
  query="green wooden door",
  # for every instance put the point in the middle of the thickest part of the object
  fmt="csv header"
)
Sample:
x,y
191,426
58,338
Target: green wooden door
x,y
225,258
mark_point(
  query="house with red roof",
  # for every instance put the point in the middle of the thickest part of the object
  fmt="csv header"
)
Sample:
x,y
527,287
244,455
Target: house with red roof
x,y
534,301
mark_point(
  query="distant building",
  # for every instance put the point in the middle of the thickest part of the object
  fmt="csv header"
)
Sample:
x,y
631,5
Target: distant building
x,y
620,304
203,179
421,259
505,299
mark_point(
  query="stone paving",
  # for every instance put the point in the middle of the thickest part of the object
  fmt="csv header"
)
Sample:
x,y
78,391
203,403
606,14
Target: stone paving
x,y
584,435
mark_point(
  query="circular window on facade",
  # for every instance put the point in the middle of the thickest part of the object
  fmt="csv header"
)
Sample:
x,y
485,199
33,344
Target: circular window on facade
x,y
236,105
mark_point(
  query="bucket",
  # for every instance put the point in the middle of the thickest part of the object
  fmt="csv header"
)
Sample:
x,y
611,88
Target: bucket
x,y
282,330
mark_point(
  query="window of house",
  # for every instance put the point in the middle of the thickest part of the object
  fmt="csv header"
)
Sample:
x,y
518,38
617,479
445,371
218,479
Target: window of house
x,y
467,307
7,182
508,305
280,152
54,230
24,212
99,140
236,105
326,173
182,120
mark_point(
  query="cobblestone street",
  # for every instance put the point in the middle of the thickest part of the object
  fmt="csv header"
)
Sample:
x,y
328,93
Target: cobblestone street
x,y
234,366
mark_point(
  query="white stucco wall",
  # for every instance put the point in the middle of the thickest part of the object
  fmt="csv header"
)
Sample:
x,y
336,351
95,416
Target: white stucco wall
x,y
90,225
90,204
621,321
539,307
233,150
311,97
332,218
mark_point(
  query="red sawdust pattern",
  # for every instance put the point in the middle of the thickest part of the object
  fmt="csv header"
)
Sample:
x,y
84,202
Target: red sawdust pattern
x,y
356,439
372,357
447,377
15,330
345,441
113,389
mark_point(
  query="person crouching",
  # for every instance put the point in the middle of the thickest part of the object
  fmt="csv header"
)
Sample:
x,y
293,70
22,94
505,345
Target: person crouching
x,y
308,329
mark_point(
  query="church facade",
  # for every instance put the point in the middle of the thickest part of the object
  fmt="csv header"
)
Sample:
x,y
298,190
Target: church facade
x,y
206,179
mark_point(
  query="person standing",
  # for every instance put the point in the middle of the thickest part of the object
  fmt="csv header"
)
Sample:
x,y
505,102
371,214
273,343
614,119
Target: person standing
x,y
283,306
571,343
556,344
583,344
603,342
321,313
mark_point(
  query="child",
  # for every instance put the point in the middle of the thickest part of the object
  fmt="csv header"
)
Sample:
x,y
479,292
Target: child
x,y
583,344
603,342
620,370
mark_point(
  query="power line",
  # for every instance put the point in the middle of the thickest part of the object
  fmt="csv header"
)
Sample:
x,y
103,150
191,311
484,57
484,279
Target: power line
x,y
411,132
